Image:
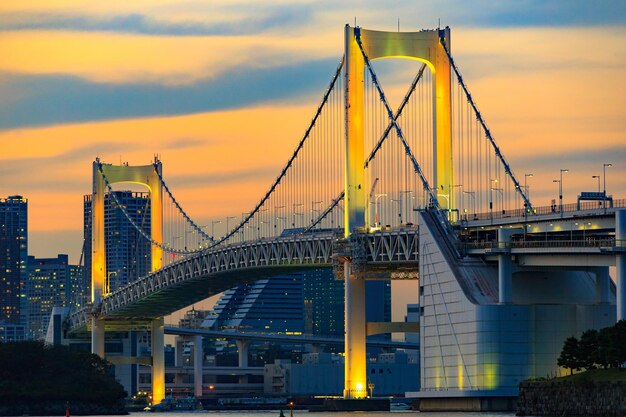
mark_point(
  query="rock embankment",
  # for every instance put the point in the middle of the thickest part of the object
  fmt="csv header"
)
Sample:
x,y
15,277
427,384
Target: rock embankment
x,y
572,398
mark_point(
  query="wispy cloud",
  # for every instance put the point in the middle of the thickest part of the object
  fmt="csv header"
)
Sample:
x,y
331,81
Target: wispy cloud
x,y
267,19
49,99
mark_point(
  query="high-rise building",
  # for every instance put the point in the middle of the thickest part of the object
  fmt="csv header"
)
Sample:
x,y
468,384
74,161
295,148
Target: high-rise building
x,y
309,302
13,256
50,283
128,254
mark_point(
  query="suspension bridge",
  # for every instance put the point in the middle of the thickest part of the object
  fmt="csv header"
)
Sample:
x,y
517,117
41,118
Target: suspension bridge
x,y
420,191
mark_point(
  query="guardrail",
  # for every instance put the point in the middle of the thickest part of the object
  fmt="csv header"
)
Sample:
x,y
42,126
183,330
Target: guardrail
x,y
586,206
573,243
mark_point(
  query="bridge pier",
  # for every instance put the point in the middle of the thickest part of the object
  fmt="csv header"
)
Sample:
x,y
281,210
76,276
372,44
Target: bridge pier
x,y
158,360
242,349
97,337
505,274
356,328
603,286
620,262
198,362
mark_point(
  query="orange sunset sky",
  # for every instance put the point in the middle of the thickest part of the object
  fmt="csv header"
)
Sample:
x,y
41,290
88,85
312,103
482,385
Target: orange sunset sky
x,y
222,90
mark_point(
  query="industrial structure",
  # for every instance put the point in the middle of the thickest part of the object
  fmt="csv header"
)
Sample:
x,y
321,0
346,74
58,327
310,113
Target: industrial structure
x,y
444,207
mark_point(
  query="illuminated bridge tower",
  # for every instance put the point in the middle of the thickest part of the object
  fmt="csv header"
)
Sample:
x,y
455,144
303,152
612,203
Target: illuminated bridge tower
x,y
422,46
147,176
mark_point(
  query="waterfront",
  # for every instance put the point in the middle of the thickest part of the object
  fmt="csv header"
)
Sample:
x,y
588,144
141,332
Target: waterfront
x,y
271,413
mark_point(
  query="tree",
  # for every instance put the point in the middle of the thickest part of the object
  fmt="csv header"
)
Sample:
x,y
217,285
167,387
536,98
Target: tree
x,y
588,354
569,355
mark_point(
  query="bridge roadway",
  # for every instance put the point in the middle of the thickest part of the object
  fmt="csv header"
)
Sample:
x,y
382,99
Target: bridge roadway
x,y
390,253
308,339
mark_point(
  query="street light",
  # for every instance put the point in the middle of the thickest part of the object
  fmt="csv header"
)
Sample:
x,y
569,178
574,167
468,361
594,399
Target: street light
x,y
598,178
294,213
561,190
559,181
473,195
399,200
403,192
604,167
313,210
377,196
491,182
213,223
227,219
526,176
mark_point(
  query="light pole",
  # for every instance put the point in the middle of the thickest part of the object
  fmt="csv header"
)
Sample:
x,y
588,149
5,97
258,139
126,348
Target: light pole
x,y
559,181
377,196
403,192
501,190
313,210
526,176
491,182
598,178
293,224
278,218
399,207
213,223
561,190
604,167
473,195
227,219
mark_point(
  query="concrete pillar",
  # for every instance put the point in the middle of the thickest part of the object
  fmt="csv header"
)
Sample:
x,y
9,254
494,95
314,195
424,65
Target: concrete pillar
x,y
603,286
356,331
158,360
505,274
178,360
97,337
198,362
620,263
242,348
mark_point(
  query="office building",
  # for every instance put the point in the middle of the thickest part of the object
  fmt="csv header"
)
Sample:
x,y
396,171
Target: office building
x,y
50,283
128,254
13,256
11,332
310,302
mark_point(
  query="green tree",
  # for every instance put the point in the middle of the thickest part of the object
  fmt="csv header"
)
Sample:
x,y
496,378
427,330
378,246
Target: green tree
x,y
569,355
32,374
588,354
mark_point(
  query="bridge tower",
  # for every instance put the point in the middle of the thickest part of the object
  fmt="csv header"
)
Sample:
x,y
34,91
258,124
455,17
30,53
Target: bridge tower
x,y
422,46
148,176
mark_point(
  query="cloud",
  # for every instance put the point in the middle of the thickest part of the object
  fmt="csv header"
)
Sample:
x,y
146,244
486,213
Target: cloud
x,y
266,19
57,99
223,177
185,143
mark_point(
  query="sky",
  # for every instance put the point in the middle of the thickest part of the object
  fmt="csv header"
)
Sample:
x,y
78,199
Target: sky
x,y
222,90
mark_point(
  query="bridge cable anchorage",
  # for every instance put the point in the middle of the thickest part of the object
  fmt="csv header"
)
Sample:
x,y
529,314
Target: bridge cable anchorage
x,y
180,209
376,148
163,246
285,169
433,199
479,117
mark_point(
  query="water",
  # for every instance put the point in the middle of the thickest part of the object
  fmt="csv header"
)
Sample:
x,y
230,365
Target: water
x,y
301,413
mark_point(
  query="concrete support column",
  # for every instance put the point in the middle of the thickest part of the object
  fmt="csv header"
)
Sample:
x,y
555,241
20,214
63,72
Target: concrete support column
x,y
356,330
505,274
178,360
97,337
620,263
603,286
242,348
198,362
158,360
